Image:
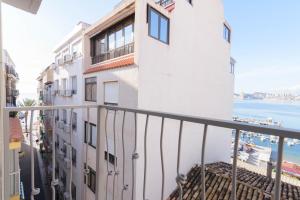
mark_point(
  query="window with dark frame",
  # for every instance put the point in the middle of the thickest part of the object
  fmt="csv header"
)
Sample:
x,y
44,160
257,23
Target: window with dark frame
x,y
91,89
73,156
74,121
74,84
91,180
227,33
73,191
90,136
113,42
64,116
111,158
158,25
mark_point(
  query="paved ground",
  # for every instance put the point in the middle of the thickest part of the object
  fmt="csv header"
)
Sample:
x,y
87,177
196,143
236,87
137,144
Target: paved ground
x,y
26,173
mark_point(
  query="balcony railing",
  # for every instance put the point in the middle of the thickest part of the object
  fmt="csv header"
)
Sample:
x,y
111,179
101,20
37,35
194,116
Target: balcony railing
x,y
121,51
164,3
133,138
11,71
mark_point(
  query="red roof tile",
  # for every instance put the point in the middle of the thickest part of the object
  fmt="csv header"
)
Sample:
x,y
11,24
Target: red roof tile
x,y
15,129
116,63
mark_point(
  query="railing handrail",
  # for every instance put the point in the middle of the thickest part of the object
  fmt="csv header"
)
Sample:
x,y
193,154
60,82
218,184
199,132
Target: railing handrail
x,y
265,129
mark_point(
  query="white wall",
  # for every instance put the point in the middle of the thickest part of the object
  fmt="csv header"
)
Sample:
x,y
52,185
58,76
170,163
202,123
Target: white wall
x,y
127,97
74,68
190,76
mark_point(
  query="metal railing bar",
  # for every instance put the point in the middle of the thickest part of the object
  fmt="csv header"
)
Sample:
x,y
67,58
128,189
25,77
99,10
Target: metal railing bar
x,y
123,152
269,130
87,131
71,156
278,169
234,169
54,181
179,178
145,157
203,162
162,159
30,108
98,153
266,129
134,157
107,154
115,155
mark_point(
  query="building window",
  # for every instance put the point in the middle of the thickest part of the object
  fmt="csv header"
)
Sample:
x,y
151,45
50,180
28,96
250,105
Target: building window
x,y
74,121
90,136
111,93
91,179
76,49
73,156
73,191
56,85
91,89
158,25
74,84
64,84
111,158
113,42
64,149
227,33
64,116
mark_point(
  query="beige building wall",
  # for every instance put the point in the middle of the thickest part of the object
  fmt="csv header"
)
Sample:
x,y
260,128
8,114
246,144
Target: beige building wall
x,y
189,76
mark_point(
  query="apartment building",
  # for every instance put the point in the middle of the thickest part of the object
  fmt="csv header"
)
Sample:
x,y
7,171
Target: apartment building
x,y
69,126
46,119
156,55
11,79
14,126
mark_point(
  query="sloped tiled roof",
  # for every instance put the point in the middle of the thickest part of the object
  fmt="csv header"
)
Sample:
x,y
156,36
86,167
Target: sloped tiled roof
x,y
116,63
250,186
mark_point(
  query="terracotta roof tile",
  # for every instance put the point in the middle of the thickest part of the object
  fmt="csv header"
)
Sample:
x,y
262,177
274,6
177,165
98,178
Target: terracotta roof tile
x,y
116,63
250,185
15,131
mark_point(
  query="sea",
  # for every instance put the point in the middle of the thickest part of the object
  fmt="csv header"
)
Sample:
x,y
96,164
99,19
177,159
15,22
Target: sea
x,y
287,113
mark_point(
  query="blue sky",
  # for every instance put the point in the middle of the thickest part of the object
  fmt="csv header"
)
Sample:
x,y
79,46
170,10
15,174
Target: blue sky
x,y
265,43
265,40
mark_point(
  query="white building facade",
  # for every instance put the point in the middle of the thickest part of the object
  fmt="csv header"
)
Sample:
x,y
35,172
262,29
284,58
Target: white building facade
x,y
169,57
68,123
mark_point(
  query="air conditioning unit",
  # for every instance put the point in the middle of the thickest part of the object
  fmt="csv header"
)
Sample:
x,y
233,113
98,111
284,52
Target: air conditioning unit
x,y
66,195
60,61
67,162
67,128
68,93
67,58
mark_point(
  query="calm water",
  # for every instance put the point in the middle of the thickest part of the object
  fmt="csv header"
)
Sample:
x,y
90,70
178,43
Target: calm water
x,y
286,113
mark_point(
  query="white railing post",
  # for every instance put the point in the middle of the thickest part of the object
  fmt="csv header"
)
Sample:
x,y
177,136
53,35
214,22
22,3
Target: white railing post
x,y
234,170
278,169
203,163
54,181
6,156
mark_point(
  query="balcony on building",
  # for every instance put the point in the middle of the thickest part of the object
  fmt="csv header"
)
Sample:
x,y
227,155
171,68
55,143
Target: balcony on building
x,y
114,42
11,72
